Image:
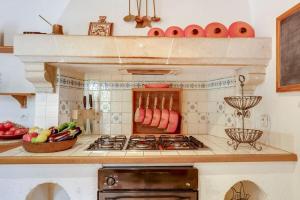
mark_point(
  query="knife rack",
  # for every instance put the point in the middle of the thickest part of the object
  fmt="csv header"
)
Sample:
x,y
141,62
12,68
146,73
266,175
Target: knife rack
x,y
139,128
81,116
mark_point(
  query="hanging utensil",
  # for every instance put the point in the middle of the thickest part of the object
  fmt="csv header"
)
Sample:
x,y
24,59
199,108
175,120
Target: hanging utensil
x,y
138,18
149,113
164,115
140,112
154,18
129,17
173,118
156,114
84,111
91,114
146,18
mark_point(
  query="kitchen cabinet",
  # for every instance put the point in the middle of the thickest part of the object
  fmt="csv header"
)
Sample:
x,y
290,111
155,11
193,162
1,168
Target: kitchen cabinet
x,y
6,49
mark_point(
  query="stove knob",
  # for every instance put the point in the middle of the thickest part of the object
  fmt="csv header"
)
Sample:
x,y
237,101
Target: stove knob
x,y
110,181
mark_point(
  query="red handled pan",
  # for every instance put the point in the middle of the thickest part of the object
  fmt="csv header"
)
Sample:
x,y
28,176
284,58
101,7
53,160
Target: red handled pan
x,y
173,118
139,114
164,119
156,114
148,115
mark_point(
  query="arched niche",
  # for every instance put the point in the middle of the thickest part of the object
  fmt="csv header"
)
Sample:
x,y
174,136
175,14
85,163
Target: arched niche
x,y
244,190
48,191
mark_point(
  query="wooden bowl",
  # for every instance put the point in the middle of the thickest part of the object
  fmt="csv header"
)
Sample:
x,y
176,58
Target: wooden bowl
x,y
48,147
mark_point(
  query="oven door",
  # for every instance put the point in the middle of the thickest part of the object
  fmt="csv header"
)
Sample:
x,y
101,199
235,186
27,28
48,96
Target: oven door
x,y
148,195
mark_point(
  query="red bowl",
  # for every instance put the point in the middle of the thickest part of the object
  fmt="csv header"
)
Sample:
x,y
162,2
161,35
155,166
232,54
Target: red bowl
x,y
216,30
174,31
194,30
156,32
11,137
241,29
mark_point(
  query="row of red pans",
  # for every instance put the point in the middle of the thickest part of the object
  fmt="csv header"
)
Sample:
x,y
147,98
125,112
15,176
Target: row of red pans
x,y
166,119
214,30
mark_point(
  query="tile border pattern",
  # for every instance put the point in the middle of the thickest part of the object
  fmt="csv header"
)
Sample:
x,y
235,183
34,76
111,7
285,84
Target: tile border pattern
x,y
69,82
65,81
196,85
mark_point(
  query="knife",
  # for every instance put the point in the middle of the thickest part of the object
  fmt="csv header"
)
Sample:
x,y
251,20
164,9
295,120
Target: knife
x,y
91,120
84,108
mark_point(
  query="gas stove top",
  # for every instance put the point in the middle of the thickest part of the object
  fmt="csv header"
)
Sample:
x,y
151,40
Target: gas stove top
x,y
106,142
147,142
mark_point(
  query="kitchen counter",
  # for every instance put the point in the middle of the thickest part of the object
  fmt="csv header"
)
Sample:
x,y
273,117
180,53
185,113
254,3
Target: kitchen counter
x,y
218,151
9,144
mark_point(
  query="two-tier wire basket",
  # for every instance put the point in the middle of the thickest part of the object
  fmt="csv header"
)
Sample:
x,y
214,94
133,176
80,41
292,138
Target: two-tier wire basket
x,y
242,104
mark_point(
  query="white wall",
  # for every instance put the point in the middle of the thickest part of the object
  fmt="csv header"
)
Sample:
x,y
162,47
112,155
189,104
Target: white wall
x,y
283,108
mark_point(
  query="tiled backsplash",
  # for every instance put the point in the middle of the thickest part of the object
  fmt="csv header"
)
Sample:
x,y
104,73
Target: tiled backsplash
x,y
203,106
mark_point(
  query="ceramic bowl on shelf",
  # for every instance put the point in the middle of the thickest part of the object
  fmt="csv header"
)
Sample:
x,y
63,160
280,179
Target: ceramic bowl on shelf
x,y
156,32
241,29
174,31
216,30
48,147
11,137
194,30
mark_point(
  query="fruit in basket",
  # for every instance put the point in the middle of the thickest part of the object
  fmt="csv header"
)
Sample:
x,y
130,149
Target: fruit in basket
x,y
35,130
65,131
66,126
42,137
2,127
7,125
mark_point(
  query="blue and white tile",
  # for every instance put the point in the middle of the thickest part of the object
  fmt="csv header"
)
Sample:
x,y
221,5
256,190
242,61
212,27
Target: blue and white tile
x,y
202,118
116,118
192,106
105,106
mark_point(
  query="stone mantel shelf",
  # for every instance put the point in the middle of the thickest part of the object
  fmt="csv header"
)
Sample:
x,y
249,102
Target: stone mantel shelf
x,y
40,51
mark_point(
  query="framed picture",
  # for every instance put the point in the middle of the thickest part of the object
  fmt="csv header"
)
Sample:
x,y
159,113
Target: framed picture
x,y
101,28
288,50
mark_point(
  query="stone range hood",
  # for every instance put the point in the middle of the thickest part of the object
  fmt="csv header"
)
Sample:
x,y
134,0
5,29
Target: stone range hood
x,y
43,54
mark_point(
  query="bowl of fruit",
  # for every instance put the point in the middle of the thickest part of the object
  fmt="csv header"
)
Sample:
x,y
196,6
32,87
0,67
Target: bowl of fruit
x,y
10,131
53,139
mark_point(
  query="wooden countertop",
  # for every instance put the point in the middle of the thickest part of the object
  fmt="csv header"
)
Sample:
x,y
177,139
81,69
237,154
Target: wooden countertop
x,y
9,144
218,151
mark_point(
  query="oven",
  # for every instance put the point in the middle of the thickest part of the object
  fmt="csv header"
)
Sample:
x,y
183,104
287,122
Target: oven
x,y
148,183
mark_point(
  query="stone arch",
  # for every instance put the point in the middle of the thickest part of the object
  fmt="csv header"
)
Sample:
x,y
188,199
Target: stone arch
x,y
48,191
245,187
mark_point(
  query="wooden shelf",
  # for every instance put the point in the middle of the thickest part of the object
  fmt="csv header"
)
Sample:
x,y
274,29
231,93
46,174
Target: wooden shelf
x,y
6,49
20,97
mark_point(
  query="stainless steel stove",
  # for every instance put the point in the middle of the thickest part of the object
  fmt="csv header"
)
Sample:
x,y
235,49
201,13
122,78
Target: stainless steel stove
x,y
106,142
147,142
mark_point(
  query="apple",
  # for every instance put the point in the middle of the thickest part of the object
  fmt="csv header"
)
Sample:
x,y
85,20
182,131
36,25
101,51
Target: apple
x,y
8,125
34,134
13,129
9,133
19,131
1,132
2,127
27,137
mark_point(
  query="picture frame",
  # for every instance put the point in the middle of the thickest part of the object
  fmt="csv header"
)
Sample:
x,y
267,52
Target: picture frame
x,y
287,50
100,28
